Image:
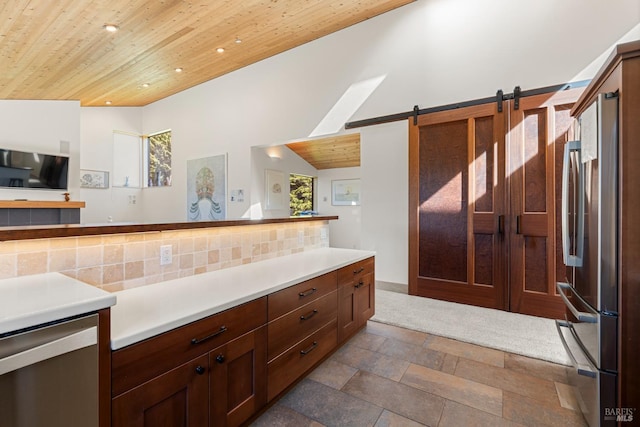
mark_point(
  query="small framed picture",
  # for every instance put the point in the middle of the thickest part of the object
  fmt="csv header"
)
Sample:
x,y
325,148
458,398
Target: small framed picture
x,y
345,192
94,179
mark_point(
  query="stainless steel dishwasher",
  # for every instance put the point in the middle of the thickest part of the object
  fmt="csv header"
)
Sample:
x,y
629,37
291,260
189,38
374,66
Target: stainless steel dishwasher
x,y
49,375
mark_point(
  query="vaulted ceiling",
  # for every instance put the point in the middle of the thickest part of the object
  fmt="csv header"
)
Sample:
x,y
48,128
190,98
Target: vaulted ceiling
x,y
59,49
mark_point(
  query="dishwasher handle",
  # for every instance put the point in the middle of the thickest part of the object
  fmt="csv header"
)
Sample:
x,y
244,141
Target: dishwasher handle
x,y
67,344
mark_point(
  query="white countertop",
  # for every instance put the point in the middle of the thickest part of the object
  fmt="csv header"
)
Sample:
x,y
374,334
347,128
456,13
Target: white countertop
x,y
153,309
28,301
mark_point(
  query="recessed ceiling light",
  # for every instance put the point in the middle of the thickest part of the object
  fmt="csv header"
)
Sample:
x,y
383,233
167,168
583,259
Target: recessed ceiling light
x,y
178,70
220,50
112,28
145,84
107,102
238,40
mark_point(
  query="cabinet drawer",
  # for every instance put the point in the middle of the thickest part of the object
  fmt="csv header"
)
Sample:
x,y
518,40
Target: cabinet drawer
x,y
355,271
287,330
295,296
142,361
290,365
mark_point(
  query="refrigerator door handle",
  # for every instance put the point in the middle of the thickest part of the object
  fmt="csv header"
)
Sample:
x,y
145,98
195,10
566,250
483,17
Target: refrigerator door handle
x,y
582,316
583,369
569,259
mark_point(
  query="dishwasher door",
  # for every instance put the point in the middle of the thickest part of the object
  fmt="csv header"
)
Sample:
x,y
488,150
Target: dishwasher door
x,y
49,375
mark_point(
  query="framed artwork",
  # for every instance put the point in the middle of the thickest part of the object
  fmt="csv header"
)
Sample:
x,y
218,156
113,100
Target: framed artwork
x,y
345,192
207,188
275,191
94,179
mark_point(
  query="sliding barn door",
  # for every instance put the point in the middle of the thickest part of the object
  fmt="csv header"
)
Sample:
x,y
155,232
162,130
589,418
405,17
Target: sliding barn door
x,y
457,206
538,130
484,204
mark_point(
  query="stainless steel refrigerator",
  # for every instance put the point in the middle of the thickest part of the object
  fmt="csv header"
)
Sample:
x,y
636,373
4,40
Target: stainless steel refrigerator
x,y
590,242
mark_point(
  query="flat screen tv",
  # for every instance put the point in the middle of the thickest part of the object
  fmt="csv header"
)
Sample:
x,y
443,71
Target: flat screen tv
x,y
20,169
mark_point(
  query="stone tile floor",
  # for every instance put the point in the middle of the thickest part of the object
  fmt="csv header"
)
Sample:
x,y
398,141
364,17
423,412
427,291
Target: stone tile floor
x,y
390,376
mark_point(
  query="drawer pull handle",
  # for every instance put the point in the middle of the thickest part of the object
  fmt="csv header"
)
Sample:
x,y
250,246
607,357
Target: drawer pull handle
x,y
220,358
310,349
307,292
309,315
213,335
360,284
200,370
358,271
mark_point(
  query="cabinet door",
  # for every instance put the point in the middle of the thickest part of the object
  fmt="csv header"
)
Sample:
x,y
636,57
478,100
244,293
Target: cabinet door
x,y
176,398
347,311
365,299
238,378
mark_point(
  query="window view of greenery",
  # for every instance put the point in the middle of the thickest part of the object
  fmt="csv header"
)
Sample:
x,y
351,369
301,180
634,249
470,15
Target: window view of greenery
x,y
159,159
300,194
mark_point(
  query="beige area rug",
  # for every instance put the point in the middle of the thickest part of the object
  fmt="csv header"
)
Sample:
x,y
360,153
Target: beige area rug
x,y
512,332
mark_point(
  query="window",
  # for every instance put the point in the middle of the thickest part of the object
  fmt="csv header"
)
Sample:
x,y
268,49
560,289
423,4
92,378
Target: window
x,y
301,194
159,159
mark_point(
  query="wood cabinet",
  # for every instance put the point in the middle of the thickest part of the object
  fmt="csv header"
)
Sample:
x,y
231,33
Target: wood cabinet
x,y
175,398
289,366
145,360
219,379
221,370
302,329
356,297
237,379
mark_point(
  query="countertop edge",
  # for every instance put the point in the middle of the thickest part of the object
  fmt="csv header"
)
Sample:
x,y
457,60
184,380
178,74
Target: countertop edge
x,y
57,313
71,304
28,232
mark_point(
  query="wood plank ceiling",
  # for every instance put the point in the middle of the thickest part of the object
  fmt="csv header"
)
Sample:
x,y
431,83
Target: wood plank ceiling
x,y
329,153
58,49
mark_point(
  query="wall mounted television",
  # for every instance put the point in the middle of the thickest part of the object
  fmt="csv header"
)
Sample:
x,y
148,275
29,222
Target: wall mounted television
x,y
21,169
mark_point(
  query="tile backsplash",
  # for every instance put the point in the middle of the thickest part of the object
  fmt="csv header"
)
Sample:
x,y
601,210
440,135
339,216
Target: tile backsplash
x,y
121,261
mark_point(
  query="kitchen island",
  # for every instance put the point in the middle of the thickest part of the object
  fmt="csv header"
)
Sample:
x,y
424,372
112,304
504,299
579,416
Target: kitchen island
x,y
217,347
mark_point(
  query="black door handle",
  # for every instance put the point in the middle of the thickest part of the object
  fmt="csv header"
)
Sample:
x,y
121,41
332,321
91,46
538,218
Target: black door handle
x,y
200,370
213,335
307,293
309,315
310,349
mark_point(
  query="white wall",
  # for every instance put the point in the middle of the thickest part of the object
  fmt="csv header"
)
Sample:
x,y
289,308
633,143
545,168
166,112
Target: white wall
x,y
385,211
41,126
97,125
346,232
286,162
430,52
